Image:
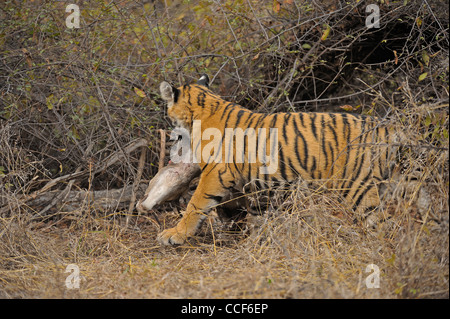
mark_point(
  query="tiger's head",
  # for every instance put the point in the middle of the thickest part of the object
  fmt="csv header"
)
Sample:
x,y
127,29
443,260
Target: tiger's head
x,y
186,103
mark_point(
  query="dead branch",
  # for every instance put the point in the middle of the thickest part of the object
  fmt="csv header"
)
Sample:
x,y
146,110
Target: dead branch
x,y
112,159
76,199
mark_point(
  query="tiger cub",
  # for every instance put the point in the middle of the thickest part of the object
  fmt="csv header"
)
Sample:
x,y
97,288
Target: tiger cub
x,y
234,146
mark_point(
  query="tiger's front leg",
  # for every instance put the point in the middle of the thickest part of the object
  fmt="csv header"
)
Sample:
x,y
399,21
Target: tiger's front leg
x,y
185,228
209,193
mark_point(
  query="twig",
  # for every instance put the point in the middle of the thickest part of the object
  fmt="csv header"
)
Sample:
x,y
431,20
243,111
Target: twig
x,y
287,78
162,151
136,182
60,197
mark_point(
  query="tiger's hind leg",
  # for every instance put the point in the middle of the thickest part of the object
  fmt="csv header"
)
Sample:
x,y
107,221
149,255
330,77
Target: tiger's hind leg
x,y
367,206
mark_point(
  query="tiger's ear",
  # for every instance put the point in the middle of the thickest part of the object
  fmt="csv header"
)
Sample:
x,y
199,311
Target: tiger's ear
x,y
204,80
168,92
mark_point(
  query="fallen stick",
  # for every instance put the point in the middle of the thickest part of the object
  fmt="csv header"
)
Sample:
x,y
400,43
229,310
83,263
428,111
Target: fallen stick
x,y
109,199
112,159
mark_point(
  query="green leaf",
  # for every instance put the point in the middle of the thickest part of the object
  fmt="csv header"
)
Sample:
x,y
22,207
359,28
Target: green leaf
x,y
325,33
306,46
139,92
2,171
50,101
391,260
425,58
423,76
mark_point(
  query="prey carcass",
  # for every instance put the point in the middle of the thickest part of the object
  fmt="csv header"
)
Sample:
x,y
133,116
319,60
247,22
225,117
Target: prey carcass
x,y
168,184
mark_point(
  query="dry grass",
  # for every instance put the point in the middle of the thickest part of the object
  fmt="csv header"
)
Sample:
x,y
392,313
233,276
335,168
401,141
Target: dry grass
x,y
307,251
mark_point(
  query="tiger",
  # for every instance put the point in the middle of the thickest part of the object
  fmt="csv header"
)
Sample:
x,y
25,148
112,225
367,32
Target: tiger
x,y
349,152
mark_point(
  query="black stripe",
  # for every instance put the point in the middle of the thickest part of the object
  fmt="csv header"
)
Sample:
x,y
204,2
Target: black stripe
x,y
257,173
346,188
324,149
238,117
249,174
364,192
234,154
211,170
220,173
300,115
252,117
234,174
296,150
274,121
332,128
361,164
230,148
203,89
332,158
333,131
219,151
282,165
201,99
245,137
333,119
297,154
186,90
293,169
261,119
313,116
359,160
215,198
228,118
313,166
305,147
346,135
227,107
363,141
216,107
286,122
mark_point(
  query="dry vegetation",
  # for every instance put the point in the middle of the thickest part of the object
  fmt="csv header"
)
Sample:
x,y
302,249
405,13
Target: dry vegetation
x,y
80,113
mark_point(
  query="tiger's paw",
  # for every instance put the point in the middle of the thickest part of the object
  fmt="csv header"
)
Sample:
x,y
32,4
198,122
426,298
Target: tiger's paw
x,y
171,236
